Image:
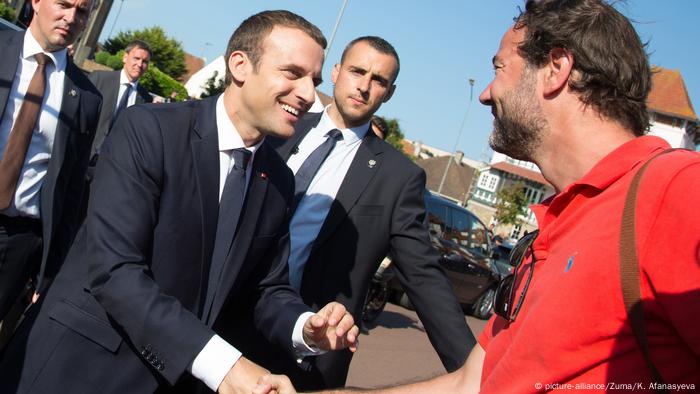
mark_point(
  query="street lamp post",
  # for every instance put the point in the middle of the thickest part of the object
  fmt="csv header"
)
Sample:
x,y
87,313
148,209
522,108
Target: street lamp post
x,y
459,134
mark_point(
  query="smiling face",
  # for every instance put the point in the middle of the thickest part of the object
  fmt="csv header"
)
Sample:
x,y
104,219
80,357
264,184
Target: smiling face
x,y
363,81
518,124
275,94
57,23
136,63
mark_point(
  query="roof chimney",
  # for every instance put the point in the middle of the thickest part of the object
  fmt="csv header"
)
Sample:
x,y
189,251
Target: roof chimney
x,y
458,156
417,148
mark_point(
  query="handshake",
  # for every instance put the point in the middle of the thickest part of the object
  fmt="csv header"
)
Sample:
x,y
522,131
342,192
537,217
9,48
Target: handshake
x,y
331,328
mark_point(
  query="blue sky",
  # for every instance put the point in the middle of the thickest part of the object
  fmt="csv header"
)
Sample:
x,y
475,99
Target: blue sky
x,y
441,43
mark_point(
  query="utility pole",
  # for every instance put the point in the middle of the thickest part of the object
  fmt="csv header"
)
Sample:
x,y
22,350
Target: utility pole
x,y
459,134
87,43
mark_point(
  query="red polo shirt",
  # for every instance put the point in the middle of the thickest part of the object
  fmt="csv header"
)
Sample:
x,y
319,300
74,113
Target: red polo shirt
x,y
573,329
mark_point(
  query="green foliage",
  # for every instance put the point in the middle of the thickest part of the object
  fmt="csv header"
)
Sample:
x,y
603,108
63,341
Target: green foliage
x,y
213,86
6,12
160,83
168,54
154,80
511,202
109,60
396,136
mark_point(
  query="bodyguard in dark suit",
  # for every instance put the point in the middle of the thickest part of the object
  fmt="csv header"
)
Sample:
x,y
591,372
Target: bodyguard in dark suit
x,y
120,88
188,218
364,201
41,176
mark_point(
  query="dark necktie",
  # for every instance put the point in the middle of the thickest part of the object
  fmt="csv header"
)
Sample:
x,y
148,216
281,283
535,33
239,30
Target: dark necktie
x,y
122,103
310,166
230,208
21,134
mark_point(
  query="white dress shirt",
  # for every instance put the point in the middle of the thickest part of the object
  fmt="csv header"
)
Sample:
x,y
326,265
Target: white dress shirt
x,y
316,203
217,357
123,81
26,201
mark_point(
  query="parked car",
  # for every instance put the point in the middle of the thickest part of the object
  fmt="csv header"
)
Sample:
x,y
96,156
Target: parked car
x,y
465,254
5,25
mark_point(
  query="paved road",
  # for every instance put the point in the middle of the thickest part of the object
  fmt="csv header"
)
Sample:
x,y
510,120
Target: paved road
x,y
397,350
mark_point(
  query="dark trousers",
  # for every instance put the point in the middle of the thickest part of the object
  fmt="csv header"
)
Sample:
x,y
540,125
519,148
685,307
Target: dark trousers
x,y
20,257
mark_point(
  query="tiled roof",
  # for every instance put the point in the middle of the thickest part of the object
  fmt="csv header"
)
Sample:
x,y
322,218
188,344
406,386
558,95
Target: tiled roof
x,y
520,171
668,94
458,180
192,65
325,99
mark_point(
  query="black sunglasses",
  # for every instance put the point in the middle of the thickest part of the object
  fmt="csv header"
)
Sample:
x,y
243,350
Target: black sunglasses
x,y
505,293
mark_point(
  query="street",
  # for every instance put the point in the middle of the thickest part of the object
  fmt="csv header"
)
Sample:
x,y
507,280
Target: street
x,y
396,350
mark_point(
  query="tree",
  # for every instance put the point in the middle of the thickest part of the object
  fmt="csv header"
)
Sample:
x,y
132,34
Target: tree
x,y
511,202
213,86
396,136
154,80
168,54
7,12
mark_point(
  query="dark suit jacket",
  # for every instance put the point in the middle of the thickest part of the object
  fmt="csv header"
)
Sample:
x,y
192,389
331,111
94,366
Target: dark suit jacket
x,y
107,82
63,184
124,314
378,210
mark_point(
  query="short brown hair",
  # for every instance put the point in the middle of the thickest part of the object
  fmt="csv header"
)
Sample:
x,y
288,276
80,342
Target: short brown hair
x,y
140,45
611,69
249,36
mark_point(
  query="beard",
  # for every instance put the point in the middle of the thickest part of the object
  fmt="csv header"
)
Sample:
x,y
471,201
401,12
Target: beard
x,y
518,130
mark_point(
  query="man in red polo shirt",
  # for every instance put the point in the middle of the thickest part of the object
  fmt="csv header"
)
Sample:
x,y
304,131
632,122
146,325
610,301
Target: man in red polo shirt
x,y
569,92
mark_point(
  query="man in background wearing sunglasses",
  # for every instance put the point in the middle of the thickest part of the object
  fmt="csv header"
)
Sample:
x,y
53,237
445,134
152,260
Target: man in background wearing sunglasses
x,y
569,92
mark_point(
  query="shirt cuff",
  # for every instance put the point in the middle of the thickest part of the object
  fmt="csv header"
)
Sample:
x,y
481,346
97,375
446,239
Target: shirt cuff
x,y
214,361
301,349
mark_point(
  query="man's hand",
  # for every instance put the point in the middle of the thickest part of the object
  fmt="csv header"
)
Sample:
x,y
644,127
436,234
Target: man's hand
x,y
242,377
332,328
275,384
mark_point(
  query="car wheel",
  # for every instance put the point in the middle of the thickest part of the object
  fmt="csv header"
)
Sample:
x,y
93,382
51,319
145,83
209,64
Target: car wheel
x,y
376,301
405,302
483,307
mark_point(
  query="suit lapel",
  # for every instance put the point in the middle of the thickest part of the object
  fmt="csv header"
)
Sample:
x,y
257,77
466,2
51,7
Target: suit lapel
x,y
68,122
250,213
10,47
205,149
364,166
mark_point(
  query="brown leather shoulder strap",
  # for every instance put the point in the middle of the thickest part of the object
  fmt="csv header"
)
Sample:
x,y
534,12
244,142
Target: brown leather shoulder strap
x,y
629,268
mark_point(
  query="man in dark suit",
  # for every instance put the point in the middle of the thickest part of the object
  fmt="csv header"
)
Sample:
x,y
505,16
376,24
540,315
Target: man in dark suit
x,y
41,178
188,218
365,201
120,89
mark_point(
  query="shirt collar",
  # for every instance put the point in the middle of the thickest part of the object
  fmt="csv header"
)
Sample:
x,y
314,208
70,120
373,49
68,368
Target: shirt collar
x,y
621,161
123,79
229,138
31,47
350,135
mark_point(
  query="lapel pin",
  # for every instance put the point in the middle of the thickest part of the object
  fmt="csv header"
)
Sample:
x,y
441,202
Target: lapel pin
x,y
72,93
263,175
371,163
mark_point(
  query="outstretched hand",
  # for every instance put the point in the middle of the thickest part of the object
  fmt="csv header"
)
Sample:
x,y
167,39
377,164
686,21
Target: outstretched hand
x,y
331,328
274,384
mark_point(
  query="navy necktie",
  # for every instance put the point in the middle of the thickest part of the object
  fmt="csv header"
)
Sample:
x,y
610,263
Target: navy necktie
x,y
310,166
122,103
230,208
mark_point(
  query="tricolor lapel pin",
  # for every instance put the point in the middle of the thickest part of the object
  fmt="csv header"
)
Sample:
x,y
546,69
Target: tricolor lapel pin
x,y
263,175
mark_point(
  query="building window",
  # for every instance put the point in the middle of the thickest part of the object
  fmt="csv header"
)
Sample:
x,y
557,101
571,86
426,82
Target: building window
x,y
488,181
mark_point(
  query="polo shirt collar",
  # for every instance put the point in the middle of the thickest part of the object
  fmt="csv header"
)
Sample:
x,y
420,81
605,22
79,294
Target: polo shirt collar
x,y
621,161
608,170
